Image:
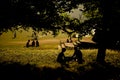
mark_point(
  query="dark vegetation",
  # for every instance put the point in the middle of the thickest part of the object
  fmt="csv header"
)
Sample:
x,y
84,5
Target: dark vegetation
x,y
88,45
16,71
93,45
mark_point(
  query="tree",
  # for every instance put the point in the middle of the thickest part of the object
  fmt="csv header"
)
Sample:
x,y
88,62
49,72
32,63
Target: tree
x,y
39,14
75,25
69,25
106,26
103,16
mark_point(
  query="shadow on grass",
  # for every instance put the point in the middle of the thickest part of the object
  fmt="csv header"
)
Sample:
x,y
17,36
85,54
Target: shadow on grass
x,y
88,45
99,71
16,71
92,45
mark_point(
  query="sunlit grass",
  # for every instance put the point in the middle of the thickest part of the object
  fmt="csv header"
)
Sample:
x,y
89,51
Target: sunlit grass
x,y
31,56
113,57
48,57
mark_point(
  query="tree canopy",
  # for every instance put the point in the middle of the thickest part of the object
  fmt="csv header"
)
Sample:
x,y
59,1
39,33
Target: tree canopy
x,y
35,13
103,15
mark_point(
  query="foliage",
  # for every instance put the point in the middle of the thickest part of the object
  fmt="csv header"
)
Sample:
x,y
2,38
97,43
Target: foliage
x,y
36,13
46,15
39,14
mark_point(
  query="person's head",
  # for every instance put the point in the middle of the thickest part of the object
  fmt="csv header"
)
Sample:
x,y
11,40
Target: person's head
x,y
28,40
63,49
76,48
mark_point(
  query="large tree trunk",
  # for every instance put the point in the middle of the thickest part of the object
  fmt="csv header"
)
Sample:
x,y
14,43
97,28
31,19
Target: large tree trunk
x,y
102,40
101,54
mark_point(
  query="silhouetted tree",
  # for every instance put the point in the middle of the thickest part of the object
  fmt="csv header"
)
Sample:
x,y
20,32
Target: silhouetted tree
x,y
106,25
38,14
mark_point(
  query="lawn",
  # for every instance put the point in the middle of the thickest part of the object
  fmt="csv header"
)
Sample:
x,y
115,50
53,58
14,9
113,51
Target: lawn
x,y
39,63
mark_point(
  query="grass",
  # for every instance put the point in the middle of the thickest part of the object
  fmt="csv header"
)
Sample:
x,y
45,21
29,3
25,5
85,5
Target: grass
x,y
44,57
38,62
41,61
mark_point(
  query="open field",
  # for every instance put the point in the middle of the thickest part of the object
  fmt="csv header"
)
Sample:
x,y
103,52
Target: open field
x,y
39,63
13,50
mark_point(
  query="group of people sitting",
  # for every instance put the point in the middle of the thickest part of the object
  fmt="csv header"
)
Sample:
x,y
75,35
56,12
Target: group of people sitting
x,y
77,56
34,43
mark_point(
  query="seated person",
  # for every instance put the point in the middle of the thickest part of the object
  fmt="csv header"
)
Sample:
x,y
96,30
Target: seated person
x,y
37,43
77,56
33,43
67,40
28,43
61,56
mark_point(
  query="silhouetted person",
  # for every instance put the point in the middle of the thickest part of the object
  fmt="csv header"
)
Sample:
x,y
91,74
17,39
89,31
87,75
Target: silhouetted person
x,y
67,40
70,41
33,43
61,57
37,43
34,35
28,43
77,55
14,36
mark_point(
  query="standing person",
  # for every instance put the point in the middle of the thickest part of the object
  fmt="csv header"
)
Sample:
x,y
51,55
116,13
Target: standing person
x,y
77,54
14,36
34,35
61,57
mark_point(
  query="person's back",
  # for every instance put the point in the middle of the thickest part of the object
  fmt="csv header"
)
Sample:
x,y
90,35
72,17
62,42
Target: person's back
x,y
61,56
37,43
67,40
33,43
77,55
27,44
